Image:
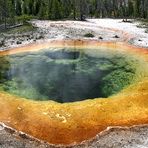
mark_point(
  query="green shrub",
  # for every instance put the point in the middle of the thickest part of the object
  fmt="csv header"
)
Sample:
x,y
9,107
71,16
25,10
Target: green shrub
x,y
89,35
24,18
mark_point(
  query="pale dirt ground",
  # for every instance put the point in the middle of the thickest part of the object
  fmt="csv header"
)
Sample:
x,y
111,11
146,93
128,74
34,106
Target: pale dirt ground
x,y
107,29
139,34
102,29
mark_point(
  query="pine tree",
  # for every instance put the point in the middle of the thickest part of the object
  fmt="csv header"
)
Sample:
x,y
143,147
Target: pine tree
x,y
18,8
11,11
137,8
61,9
4,11
56,10
130,9
42,11
74,9
83,9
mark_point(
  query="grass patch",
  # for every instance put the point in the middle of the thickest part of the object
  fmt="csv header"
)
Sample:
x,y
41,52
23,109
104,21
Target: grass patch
x,y
20,30
89,35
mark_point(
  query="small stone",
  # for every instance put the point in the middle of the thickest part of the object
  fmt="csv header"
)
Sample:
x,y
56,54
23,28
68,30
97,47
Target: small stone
x,y
18,42
23,135
67,37
2,43
116,36
1,128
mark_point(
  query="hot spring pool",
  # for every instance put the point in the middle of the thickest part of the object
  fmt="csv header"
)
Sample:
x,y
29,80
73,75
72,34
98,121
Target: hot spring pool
x,y
66,92
66,75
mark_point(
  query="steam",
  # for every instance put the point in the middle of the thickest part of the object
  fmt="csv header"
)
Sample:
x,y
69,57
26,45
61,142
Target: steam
x,y
65,76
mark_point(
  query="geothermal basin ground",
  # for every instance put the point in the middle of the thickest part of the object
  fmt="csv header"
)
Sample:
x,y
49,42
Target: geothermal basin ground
x,y
109,67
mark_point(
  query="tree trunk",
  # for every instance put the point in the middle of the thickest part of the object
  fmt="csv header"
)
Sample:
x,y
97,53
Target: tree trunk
x,y
74,10
5,14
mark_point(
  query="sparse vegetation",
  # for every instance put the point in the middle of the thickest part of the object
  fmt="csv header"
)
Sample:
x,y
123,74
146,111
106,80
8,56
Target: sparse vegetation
x,y
89,35
20,30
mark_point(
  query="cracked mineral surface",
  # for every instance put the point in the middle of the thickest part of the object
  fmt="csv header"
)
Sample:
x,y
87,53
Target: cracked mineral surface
x,y
115,137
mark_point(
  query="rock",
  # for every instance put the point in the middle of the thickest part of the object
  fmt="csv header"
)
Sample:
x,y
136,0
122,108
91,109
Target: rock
x,y
2,43
18,42
39,37
67,37
116,36
100,38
